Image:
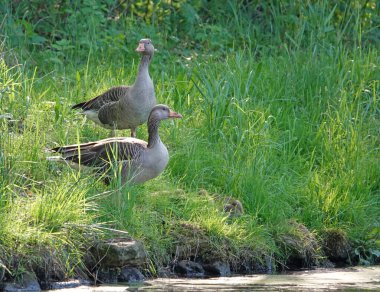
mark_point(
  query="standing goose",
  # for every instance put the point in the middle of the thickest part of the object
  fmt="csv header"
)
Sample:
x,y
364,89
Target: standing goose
x,y
125,107
140,161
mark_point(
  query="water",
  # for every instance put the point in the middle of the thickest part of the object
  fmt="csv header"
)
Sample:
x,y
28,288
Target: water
x,y
350,279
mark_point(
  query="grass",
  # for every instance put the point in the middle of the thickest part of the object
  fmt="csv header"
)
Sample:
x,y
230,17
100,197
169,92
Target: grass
x,y
291,132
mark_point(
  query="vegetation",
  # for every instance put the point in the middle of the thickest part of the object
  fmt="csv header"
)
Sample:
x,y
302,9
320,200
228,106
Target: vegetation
x,y
281,111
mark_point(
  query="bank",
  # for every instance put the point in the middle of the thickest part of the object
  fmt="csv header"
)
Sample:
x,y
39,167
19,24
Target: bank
x,y
183,249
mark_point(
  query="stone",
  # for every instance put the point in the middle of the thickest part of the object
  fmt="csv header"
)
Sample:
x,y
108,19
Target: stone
x,y
301,245
336,245
217,268
165,272
28,283
69,284
119,252
234,208
130,275
48,269
107,275
189,269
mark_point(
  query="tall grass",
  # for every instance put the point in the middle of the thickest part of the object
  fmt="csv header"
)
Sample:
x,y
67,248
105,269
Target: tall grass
x,y
284,117
42,219
289,137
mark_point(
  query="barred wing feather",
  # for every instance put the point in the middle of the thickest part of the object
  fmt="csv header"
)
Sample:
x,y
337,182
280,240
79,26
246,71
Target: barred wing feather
x,y
111,95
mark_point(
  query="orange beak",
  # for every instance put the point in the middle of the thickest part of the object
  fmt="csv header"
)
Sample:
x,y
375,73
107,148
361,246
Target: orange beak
x,y
140,48
175,115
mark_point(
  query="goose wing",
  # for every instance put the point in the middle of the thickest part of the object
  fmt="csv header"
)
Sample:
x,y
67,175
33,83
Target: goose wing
x,y
100,153
109,114
112,95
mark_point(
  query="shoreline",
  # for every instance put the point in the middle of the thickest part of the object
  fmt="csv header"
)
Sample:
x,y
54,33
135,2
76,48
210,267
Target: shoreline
x,y
358,277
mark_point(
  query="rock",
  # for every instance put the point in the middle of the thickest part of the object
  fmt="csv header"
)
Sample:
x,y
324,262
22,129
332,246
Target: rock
x,y
217,268
165,272
114,275
119,252
106,259
107,275
28,283
234,208
69,284
189,269
327,264
130,275
48,269
336,245
191,239
301,246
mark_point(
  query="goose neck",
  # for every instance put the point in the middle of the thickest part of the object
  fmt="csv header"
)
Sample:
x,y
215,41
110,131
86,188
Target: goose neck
x,y
144,63
153,137
143,72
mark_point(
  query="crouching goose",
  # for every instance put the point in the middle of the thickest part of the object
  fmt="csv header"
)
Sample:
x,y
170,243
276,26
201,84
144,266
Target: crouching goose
x,y
125,107
140,161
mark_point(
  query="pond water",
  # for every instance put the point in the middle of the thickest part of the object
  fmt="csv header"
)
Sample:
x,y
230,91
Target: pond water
x,y
349,279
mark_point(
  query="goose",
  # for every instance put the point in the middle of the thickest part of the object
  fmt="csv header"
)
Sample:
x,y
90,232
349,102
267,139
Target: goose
x,y
140,160
125,107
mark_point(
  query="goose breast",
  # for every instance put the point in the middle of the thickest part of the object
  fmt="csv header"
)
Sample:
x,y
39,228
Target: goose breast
x,y
153,162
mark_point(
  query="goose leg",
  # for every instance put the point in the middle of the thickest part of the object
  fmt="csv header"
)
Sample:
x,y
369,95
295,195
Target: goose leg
x,y
133,132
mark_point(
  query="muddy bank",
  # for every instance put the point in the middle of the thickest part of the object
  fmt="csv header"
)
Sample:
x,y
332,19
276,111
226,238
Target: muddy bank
x,y
125,260
358,278
192,254
349,278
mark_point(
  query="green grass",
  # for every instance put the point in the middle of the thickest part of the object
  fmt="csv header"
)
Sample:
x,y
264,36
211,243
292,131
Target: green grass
x,y
291,130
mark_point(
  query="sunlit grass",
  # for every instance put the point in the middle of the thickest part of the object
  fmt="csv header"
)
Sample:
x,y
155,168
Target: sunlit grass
x,y
292,133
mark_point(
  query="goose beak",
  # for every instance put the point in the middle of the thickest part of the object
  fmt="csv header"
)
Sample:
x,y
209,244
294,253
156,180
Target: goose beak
x,y
175,115
140,48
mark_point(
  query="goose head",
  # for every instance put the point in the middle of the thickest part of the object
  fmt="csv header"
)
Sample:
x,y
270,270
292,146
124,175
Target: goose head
x,y
145,47
162,112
